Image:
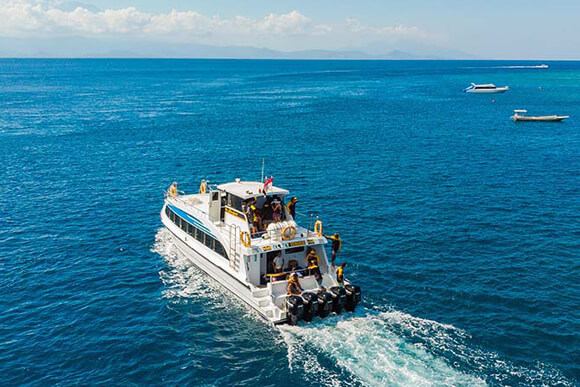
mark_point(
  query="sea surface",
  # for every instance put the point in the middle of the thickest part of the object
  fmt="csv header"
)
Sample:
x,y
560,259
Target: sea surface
x,y
461,226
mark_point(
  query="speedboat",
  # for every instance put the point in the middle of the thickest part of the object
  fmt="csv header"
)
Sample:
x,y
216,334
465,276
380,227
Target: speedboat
x,y
214,229
488,88
520,115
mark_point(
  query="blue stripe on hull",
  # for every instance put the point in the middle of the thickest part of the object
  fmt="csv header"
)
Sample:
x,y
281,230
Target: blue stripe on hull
x,y
191,219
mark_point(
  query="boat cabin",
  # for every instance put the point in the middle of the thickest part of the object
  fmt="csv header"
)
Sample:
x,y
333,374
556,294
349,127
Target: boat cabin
x,y
248,205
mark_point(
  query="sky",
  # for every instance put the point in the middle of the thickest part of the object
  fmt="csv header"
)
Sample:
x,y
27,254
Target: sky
x,y
508,29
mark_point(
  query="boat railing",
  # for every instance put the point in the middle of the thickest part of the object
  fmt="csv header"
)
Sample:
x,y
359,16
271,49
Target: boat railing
x,y
177,198
311,218
283,275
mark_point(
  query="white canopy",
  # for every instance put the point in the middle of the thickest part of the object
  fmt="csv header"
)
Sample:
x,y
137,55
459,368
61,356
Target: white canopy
x,y
250,189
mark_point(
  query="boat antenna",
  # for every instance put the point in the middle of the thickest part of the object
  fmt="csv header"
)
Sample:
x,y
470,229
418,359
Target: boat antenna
x,y
262,180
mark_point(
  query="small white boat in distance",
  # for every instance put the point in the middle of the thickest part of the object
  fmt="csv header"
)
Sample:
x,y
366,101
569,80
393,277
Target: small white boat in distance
x,y
485,89
520,115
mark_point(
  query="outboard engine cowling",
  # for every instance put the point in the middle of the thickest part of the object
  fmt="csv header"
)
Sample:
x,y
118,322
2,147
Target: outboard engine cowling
x,y
353,297
338,298
295,309
324,304
310,302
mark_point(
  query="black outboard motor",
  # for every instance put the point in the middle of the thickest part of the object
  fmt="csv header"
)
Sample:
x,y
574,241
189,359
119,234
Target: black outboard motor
x,y
338,298
353,297
295,309
310,301
324,304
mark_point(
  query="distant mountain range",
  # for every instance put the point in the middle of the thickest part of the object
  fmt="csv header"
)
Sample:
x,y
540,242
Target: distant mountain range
x,y
79,47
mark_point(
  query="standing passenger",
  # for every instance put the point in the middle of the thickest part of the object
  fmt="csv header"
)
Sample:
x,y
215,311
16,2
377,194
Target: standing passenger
x,y
336,245
340,275
278,263
276,210
173,189
291,206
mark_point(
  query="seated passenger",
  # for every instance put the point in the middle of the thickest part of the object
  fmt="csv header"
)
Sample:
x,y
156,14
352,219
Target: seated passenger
x,y
278,263
294,288
312,259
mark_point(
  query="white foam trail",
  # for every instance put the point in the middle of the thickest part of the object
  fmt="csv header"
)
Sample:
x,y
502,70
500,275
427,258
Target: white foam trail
x,y
366,346
183,281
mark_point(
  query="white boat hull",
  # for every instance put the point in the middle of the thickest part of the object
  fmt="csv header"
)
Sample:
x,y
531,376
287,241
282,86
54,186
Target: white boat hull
x,y
187,246
488,91
539,118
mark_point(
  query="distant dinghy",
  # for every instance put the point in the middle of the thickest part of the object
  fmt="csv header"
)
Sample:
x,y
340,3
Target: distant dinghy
x,y
520,115
485,89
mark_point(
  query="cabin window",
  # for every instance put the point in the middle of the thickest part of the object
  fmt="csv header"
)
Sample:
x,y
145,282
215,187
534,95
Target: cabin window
x,y
294,250
200,236
220,249
167,210
172,216
234,202
209,242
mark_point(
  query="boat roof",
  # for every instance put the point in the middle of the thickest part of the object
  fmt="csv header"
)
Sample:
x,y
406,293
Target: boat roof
x,y
484,85
250,189
521,111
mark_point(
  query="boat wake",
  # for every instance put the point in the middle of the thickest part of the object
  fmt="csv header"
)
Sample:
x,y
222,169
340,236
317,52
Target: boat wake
x,y
369,347
373,346
522,67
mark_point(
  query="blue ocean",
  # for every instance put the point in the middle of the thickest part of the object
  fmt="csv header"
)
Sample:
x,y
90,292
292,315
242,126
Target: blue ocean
x,y
461,227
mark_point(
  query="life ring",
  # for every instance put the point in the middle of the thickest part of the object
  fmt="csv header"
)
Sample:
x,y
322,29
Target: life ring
x,y
203,187
288,233
318,227
245,239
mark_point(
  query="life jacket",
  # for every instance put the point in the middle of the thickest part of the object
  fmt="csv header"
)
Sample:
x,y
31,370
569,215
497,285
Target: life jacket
x,y
254,212
293,286
340,274
312,260
336,243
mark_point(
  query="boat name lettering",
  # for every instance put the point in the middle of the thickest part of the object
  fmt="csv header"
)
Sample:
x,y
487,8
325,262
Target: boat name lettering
x,y
234,213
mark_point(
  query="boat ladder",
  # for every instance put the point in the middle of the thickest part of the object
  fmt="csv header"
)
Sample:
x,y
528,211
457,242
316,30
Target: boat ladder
x,y
234,242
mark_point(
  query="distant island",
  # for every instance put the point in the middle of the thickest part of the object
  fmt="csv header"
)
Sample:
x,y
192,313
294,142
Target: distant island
x,y
81,47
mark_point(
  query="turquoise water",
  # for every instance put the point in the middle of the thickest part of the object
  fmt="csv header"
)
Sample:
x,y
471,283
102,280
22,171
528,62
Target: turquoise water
x,y
462,227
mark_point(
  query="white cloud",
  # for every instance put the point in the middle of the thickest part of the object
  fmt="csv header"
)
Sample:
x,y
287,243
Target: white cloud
x,y
26,17
355,26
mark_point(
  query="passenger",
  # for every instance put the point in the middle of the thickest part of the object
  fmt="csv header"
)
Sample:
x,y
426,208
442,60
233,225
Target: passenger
x,y
256,218
173,189
294,288
318,277
336,245
267,212
340,275
276,210
291,206
247,210
278,263
312,259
